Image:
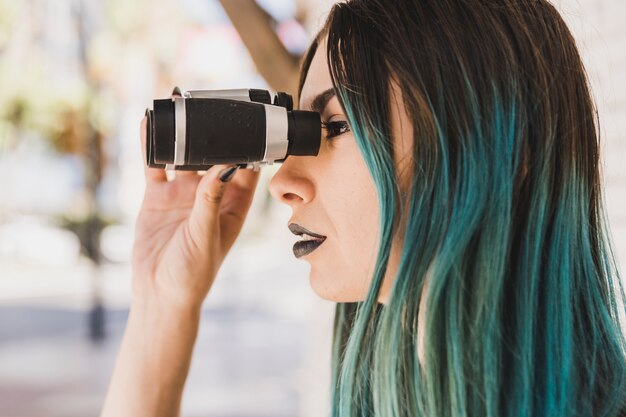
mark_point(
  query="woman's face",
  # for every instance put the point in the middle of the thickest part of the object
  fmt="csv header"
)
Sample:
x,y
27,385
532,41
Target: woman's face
x,y
333,194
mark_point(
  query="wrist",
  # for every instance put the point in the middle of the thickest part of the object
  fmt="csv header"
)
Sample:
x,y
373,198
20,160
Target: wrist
x,y
164,337
163,312
152,302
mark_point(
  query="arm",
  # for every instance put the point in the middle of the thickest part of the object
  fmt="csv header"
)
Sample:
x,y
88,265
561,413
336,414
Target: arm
x,y
184,229
153,362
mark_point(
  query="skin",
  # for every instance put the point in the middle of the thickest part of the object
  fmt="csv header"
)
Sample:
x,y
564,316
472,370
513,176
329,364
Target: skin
x,y
184,230
333,194
188,223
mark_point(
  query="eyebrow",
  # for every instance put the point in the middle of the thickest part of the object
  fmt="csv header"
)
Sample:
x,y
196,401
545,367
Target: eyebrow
x,y
319,103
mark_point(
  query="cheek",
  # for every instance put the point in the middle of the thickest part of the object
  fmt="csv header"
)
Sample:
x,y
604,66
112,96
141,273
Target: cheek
x,y
351,203
361,234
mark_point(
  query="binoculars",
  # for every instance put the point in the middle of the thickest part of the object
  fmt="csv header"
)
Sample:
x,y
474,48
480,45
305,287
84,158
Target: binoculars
x,y
246,127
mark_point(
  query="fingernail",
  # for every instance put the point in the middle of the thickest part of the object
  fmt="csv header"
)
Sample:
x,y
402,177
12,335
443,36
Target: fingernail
x,y
227,174
177,92
147,111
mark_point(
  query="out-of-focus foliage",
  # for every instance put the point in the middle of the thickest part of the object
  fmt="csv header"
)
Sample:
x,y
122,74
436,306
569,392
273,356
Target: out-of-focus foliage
x,y
59,102
7,21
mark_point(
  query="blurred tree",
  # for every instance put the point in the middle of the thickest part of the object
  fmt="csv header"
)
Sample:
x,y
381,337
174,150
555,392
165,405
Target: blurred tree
x,y
257,31
90,141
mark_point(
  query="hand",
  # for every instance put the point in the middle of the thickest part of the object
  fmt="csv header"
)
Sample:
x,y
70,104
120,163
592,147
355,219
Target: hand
x,y
184,230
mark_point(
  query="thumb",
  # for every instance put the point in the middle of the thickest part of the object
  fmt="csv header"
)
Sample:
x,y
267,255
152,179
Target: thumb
x,y
204,217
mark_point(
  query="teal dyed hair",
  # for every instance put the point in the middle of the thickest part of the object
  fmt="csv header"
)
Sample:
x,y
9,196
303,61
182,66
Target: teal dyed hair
x,y
503,222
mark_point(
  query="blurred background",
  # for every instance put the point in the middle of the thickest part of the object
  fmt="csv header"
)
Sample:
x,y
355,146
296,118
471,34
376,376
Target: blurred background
x,y
75,78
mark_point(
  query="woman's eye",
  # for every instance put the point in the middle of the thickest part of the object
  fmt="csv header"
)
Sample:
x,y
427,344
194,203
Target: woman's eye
x,y
336,128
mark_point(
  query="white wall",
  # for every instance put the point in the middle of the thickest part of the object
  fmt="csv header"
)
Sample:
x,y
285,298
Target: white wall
x,y
599,27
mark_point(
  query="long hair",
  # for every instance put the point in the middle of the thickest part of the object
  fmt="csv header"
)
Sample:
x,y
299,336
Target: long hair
x,y
505,216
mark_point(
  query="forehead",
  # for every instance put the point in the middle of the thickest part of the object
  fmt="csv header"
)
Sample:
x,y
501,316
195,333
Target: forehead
x,y
317,78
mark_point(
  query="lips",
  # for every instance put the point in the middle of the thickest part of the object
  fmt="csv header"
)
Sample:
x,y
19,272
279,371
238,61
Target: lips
x,y
310,242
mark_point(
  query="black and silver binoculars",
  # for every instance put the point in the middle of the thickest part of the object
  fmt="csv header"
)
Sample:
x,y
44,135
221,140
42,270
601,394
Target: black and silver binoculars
x,y
198,129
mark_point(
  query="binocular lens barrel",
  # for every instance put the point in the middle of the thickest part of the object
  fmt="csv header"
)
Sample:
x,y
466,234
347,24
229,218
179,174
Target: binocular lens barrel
x,y
204,128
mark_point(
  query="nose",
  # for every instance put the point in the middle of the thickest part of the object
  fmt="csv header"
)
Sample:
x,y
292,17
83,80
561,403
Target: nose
x,y
291,184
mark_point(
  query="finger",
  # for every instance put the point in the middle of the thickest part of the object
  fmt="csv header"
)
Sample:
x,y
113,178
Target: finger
x,y
236,204
177,92
204,217
151,174
184,173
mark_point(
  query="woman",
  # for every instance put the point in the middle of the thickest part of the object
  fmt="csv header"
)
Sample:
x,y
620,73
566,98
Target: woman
x,y
458,197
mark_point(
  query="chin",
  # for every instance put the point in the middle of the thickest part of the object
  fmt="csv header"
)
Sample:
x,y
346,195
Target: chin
x,y
328,287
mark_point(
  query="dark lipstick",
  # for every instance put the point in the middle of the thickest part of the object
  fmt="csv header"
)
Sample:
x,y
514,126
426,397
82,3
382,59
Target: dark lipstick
x,y
304,247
